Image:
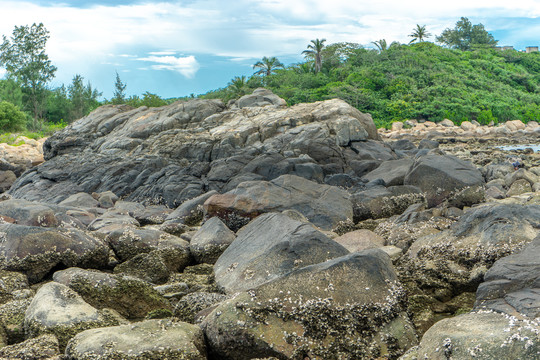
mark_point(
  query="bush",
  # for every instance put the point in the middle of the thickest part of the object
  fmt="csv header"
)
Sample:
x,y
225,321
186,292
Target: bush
x,y
11,118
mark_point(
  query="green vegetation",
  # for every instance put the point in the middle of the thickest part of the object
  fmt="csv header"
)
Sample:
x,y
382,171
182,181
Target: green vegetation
x,y
11,118
467,79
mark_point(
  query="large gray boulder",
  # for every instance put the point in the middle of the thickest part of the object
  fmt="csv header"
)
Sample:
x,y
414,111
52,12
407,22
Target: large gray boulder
x,y
441,176
512,285
393,172
269,247
150,339
58,310
35,251
323,205
335,309
259,97
131,297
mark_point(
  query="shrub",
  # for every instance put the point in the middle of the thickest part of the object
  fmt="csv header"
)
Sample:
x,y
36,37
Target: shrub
x,y
11,118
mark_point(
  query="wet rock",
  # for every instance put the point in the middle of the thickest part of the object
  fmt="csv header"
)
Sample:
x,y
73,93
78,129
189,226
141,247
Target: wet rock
x,y
210,241
131,297
150,339
58,310
35,251
271,246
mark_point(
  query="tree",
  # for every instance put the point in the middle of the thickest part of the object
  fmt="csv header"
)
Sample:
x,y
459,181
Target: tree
x,y
238,86
382,45
83,98
11,118
420,33
267,66
314,53
25,60
466,36
119,96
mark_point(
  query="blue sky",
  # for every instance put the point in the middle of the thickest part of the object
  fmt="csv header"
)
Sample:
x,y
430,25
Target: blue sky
x,y
175,48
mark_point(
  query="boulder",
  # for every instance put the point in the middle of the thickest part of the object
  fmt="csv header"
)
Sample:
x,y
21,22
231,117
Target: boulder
x,y
210,241
314,312
150,339
35,251
269,247
379,202
479,335
393,172
259,97
131,297
190,305
44,347
80,200
440,176
129,243
7,178
324,205
58,310
512,284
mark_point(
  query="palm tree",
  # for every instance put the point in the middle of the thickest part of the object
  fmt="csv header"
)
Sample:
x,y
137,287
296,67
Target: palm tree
x,y
314,52
382,45
237,85
420,34
267,66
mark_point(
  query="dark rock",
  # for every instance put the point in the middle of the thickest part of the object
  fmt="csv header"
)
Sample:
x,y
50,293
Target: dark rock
x,y
393,172
440,176
35,251
271,246
512,285
380,202
325,206
210,241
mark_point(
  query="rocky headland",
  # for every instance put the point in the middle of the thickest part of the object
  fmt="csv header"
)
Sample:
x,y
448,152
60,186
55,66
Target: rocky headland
x,y
254,230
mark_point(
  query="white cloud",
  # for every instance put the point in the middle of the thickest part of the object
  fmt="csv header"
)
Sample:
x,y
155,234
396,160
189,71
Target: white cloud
x,y
187,66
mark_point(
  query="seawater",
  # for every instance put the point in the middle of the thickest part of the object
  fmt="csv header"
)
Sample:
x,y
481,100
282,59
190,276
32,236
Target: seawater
x,y
535,147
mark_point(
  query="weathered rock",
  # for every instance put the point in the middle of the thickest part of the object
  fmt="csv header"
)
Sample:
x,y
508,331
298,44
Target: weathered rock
x,y
148,266
315,312
30,213
7,178
325,206
440,176
269,247
44,347
12,316
359,240
512,285
131,297
167,155
58,310
111,220
150,339
80,200
479,335
187,308
35,251
259,97
393,172
210,241
380,202
128,243
152,215
518,187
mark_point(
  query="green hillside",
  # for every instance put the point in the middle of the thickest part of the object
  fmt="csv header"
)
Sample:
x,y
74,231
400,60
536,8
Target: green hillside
x,y
417,81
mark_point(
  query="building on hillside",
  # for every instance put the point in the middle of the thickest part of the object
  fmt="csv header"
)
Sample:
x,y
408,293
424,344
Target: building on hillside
x,y
530,49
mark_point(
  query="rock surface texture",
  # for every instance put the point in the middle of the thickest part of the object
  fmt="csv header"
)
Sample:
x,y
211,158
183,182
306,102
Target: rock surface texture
x,y
254,230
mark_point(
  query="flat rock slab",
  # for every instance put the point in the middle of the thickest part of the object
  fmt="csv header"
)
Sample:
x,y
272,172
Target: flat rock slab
x,y
269,247
325,206
151,339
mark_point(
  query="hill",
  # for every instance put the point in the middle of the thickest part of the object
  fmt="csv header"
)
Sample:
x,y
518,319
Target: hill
x,y
417,81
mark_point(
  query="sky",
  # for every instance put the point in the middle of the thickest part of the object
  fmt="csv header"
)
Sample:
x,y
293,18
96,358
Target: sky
x,y
183,47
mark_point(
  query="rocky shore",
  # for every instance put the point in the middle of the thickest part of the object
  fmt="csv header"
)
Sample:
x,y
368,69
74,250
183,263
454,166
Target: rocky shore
x,y
253,230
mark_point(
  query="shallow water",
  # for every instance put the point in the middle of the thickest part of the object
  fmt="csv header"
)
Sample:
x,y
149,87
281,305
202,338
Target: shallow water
x,y
535,147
